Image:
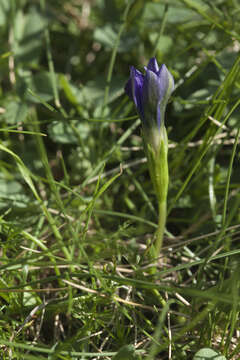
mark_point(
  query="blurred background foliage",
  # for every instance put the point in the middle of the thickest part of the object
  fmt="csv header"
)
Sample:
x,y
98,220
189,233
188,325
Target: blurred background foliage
x,y
59,52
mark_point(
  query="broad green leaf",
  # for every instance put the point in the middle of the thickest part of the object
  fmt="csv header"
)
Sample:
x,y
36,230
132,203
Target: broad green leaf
x,y
107,36
93,91
4,9
63,133
41,84
28,33
164,44
208,354
16,111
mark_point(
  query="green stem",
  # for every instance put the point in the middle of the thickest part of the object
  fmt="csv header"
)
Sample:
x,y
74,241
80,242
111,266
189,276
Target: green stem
x,y
162,215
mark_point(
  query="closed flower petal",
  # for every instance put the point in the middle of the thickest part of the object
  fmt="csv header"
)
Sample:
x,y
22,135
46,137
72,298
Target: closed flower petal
x,y
133,89
150,93
153,65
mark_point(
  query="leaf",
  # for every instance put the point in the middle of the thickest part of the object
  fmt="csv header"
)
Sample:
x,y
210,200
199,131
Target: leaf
x,y
41,84
35,88
93,91
127,352
16,111
108,37
4,9
63,132
165,43
23,170
4,295
28,31
208,354
176,14
12,194
73,93
107,184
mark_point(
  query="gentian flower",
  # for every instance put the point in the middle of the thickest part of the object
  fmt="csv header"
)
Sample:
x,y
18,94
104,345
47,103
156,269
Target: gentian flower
x,y
150,94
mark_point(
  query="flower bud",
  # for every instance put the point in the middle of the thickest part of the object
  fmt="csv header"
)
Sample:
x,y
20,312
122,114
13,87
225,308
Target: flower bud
x,y
150,94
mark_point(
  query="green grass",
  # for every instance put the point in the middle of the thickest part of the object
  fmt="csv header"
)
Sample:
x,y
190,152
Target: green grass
x,y
77,208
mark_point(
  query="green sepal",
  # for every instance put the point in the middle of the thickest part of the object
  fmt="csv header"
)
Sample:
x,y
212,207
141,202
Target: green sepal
x,y
158,164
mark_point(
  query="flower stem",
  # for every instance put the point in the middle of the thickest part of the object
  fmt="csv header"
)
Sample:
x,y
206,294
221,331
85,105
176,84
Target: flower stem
x,y
162,215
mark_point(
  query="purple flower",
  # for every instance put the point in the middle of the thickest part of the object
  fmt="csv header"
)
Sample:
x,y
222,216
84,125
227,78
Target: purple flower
x,y
150,93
